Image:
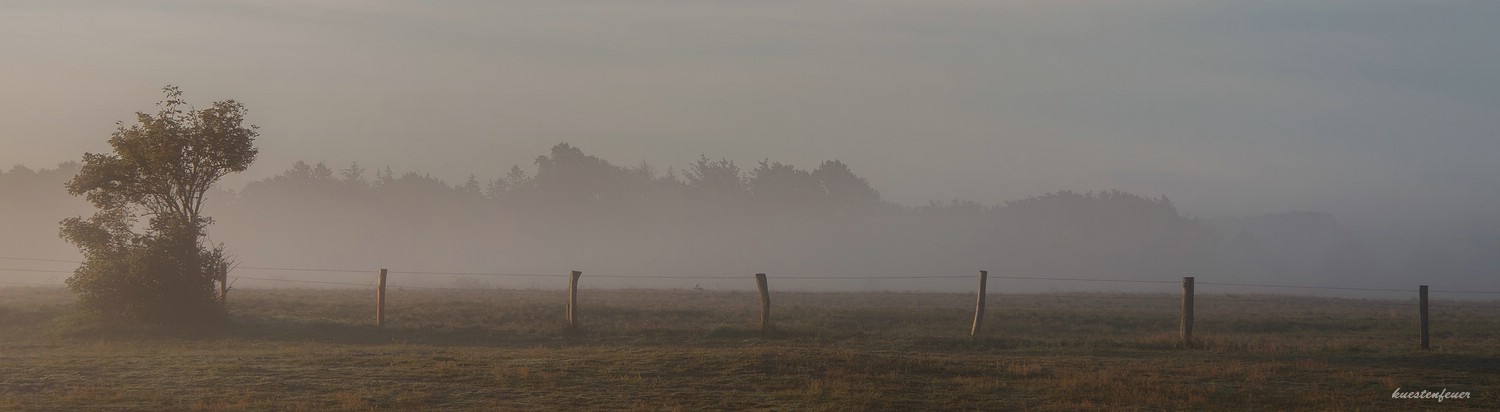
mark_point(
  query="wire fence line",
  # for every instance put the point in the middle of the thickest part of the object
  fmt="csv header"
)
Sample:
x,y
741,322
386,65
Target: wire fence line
x,y
302,281
36,270
691,277
302,269
1253,285
1001,297
517,275
55,285
719,277
1302,287
684,277
1084,279
40,260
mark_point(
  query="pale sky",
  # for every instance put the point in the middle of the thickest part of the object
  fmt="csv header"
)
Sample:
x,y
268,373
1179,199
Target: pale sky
x,y
1365,108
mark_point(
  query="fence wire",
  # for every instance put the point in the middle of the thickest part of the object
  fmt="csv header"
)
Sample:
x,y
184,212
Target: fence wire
x,y
791,277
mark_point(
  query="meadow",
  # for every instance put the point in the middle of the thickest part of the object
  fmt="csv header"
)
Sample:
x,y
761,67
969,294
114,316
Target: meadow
x,y
318,349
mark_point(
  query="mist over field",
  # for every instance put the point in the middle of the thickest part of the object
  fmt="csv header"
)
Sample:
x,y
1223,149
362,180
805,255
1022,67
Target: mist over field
x,y
716,217
1345,142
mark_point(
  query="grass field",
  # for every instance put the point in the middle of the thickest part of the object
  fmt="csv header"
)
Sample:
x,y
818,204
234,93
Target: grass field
x,y
694,350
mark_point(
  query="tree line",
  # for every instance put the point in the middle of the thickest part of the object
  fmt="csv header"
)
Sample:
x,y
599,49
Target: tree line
x,y
571,210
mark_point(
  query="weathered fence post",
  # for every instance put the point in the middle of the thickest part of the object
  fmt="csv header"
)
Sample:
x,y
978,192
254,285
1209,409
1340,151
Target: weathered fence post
x,y
984,277
380,300
573,300
1187,311
1422,300
765,302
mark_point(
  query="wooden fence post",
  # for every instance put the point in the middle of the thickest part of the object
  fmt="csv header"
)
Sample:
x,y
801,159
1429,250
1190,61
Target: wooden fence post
x,y
1422,300
765,302
984,277
1187,311
573,300
380,300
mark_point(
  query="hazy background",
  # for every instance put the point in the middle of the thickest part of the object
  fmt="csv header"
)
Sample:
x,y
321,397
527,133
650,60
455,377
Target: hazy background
x,y
1380,116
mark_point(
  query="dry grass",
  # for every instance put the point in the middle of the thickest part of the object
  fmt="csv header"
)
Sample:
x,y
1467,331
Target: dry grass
x,y
686,350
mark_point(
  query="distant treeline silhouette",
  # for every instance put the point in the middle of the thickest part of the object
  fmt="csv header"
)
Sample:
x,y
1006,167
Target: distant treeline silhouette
x,y
577,211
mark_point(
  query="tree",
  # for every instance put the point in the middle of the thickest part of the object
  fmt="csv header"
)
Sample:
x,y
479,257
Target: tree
x,y
353,176
721,178
574,186
471,188
783,186
159,169
844,188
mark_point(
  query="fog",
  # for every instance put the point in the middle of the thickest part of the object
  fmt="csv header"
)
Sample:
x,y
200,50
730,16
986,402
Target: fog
x,y
717,222
1329,143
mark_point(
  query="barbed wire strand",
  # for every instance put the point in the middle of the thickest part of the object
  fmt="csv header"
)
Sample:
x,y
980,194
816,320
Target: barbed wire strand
x,y
1084,279
327,270
35,270
518,275
306,269
41,260
302,281
1302,287
487,290
33,284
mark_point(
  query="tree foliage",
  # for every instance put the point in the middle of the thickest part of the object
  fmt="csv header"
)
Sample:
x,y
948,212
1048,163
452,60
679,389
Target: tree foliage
x,y
844,188
716,178
159,169
782,186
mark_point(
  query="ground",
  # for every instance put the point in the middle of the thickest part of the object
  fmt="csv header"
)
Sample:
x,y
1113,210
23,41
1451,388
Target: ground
x,y
702,350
